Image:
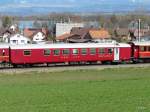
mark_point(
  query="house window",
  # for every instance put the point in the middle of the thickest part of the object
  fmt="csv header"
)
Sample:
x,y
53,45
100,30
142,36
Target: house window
x,y
56,52
101,50
110,50
47,52
92,51
84,51
14,41
75,51
65,51
27,52
22,41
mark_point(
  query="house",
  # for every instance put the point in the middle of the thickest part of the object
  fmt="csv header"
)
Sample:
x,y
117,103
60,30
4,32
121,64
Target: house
x,y
133,25
76,35
99,34
38,37
122,34
36,34
62,28
19,39
14,28
142,32
71,38
144,36
81,35
5,34
134,29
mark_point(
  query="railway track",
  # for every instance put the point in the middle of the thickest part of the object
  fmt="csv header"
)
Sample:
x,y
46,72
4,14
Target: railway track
x,y
59,68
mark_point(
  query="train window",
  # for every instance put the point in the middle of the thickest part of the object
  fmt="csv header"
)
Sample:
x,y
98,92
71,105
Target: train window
x,y
84,51
141,48
145,48
27,52
56,52
92,51
47,52
75,51
65,51
149,48
101,50
110,50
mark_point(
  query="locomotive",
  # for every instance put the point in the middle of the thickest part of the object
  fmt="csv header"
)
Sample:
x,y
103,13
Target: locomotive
x,y
113,52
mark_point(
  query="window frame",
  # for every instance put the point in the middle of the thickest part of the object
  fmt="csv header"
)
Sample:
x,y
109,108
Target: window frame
x,y
91,52
142,48
56,50
26,51
45,52
68,52
148,48
85,52
101,51
76,50
111,50
22,41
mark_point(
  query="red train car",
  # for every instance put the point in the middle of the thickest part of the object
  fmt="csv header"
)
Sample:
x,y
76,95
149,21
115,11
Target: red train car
x,y
61,53
4,53
141,51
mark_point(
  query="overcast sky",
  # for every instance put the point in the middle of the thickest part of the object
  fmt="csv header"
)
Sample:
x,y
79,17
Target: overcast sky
x,y
66,3
45,6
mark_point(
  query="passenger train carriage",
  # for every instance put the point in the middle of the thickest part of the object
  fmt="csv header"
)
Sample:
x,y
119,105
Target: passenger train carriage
x,y
4,53
141,51
58,53
74,53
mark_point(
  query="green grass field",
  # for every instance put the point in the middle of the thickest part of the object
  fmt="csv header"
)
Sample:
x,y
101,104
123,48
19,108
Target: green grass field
x,y
109,90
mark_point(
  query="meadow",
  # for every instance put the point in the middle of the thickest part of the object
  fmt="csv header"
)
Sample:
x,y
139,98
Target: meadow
x,y
108,90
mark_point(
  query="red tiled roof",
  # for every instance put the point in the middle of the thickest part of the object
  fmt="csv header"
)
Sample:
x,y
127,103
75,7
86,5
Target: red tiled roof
x,y
99,34
64,36
28,32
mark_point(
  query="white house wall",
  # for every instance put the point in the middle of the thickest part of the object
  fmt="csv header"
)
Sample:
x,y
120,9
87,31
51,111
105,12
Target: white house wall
x,y
19,39
38,37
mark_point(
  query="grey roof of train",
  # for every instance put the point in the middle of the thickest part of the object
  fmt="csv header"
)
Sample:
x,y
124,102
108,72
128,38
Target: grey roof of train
x,y
142,43
77,45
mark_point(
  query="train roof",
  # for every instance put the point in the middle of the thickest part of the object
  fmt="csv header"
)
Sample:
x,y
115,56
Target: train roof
x,y
4,45
142,43
69,45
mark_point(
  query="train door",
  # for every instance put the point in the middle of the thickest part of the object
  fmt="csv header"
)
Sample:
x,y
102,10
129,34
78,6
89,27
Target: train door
x,y
3,52
116,54
3,55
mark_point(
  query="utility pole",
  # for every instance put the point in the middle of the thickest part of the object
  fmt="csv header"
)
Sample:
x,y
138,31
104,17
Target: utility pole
x,y
139,30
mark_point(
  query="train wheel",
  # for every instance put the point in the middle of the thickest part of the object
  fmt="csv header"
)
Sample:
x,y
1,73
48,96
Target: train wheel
x,y
106,62
15,66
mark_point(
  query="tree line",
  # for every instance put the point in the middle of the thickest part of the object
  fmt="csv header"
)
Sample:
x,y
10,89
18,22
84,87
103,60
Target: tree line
x,y
105,20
